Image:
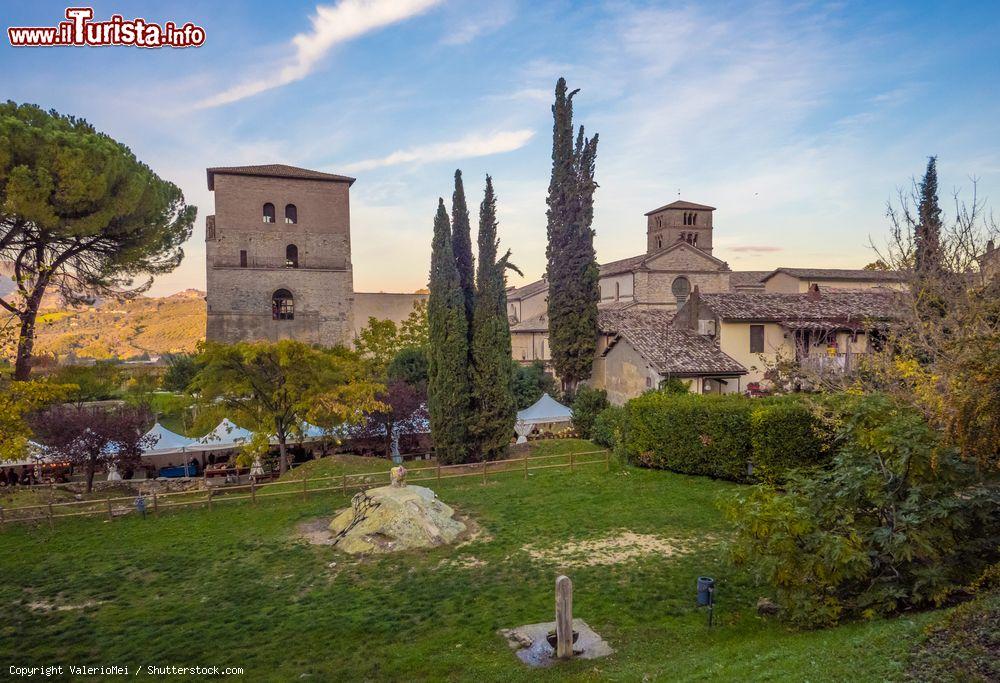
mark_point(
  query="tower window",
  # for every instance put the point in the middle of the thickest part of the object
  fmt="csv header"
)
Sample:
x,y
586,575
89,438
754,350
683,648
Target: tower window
x,y
694,238
694,219
282,305
291,256
291,214
243,258
681,288
269,213
659,241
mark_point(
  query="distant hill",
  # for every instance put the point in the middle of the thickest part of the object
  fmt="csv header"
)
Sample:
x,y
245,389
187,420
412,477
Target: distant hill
x,y
147,325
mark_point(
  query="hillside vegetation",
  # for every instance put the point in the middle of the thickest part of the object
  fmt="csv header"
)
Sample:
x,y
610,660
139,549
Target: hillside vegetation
x,y
147,325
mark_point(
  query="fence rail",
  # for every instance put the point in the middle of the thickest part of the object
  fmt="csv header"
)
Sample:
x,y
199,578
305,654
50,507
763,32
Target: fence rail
x,y
156,502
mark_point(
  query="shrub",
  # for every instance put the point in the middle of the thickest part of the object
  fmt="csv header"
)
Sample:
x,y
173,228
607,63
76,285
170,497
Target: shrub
x,y
692,434
587,404
897,520
608,426
784,434
530,382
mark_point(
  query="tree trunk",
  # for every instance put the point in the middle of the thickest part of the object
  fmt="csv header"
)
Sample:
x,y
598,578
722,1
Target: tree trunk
x,y
282,453
25,343
90,476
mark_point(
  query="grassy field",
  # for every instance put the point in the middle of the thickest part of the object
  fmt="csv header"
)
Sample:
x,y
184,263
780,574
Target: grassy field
x,y
236,586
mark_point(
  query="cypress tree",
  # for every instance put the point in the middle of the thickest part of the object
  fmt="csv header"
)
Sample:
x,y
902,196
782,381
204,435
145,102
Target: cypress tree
x,y
461,232
572,266
494,407
927,232
448,380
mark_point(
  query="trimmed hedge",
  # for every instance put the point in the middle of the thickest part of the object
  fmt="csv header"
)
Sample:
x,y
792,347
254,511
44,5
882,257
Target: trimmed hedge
x,y
720,436
608,426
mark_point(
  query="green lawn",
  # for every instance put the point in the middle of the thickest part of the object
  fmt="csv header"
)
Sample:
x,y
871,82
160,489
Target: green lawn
x,y
235,587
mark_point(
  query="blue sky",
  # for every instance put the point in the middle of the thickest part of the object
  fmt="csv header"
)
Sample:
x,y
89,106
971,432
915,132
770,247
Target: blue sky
x,y
797,120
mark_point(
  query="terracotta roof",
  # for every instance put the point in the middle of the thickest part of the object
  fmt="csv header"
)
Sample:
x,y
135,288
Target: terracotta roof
x,y
839,274
747,279
539,323
681,204
840,305
275,171
524,291
668,350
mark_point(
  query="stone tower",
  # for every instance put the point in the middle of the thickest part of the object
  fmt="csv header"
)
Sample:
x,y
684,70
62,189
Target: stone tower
x,y
278,251
679,221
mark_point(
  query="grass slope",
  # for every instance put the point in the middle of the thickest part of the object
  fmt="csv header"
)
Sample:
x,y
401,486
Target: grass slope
x,y
234,587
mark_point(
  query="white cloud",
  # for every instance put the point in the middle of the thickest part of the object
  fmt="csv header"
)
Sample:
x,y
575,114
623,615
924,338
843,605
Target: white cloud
x,y
474,145
496,16
331,25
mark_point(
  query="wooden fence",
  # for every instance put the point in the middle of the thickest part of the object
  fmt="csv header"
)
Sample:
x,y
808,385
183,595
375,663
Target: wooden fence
x,y
156,503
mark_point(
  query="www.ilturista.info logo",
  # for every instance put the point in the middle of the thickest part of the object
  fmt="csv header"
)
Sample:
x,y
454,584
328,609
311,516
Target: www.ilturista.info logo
x,y
80,30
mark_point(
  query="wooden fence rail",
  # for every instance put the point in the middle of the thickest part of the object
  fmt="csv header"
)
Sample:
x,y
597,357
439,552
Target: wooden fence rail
x,y
253,491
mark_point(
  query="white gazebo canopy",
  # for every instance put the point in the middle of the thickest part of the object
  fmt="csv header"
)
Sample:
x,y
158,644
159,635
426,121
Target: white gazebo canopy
x,y
164,441
225,435
545,410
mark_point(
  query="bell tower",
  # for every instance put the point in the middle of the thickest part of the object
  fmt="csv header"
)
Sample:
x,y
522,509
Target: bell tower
x,y
679,221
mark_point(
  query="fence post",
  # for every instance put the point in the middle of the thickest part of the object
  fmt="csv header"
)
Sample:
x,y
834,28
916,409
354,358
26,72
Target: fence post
x,y
210,492
305,489
156,507
439,470
50,514
525,464
110,517
345,483
253,492
2,519
571,459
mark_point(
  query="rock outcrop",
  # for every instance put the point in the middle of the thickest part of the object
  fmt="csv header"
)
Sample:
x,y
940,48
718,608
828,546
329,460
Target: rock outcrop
x,y
393,518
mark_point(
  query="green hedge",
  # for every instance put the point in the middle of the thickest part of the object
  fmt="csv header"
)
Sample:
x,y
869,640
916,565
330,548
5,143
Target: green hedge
x,y
608,426
719,436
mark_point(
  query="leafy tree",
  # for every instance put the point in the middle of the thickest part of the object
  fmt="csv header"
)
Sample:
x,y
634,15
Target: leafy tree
x,y
378,343
403,405
181,369
448,387
461,243
414,330
494,409
572,266
272,388
673,385
530,382
587,405
18,401
896,521
94,437
79,214
410,366
98,382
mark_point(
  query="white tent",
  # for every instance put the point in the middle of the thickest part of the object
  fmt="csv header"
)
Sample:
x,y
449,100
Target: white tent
x,y
226,435
545,410
165,442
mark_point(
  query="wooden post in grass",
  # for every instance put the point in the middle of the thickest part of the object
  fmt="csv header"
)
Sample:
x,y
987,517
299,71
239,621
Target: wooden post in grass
x,y
156,507
345,483
439,470
571,459
305,489
564,617
525,464
110,516
210,492
50,514
2,519
253,492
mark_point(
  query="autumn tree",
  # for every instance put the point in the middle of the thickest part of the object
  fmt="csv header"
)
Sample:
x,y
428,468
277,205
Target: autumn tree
x,y
80,216
273,388
572,265
18,402
92,438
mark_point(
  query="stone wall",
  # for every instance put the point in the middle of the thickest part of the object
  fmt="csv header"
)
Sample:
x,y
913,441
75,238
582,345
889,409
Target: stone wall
x,y
384,306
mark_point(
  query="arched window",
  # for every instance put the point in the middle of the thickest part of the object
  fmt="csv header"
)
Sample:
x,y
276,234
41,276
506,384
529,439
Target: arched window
x,y
694,239
694,219
269,213
659,241
291,256
681,288
291,214
282,305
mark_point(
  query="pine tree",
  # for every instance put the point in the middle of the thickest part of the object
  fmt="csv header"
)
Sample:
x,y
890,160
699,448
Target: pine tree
x,y
927,232
448,380
461,231
494,408
572,266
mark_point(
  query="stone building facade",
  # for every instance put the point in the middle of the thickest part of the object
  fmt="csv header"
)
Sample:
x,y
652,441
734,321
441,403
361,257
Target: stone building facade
x,y
278,257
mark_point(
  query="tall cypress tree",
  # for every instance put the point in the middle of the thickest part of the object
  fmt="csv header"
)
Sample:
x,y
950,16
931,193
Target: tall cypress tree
x,y
461,232
494,407
927,232
448,378
572,265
